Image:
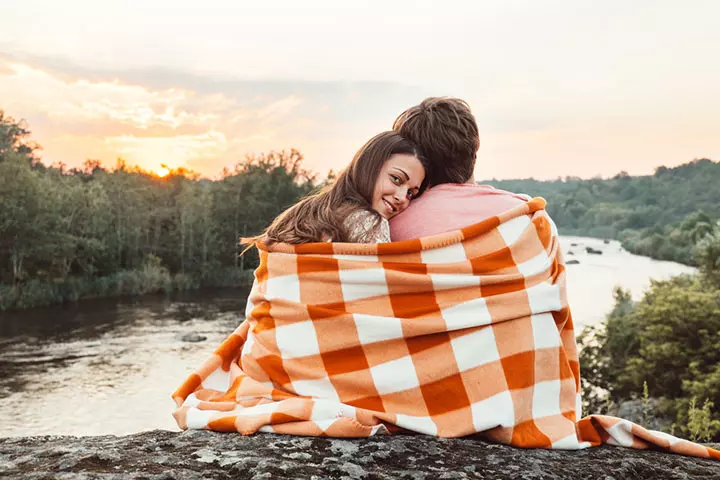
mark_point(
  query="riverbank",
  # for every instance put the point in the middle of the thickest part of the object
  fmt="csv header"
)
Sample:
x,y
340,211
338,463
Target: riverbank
x,y
639,242
150,279
591,280
161,454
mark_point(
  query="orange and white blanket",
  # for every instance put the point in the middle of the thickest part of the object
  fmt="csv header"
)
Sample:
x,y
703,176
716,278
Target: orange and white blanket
x,y
449,335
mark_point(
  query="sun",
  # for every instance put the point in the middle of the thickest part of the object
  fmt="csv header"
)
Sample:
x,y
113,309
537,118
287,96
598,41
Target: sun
x,y
163,171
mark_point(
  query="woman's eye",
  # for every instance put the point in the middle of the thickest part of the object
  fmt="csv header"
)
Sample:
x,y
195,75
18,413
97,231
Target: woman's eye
x,y
395,179
410,195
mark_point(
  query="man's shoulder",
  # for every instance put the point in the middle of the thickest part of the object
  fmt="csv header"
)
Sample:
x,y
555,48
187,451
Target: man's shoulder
x,y
472,191
449,207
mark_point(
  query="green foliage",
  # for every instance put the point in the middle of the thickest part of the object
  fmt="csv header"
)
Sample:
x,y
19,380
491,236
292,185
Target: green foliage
x,y
14,139
661,216
707,254
70,234
598,355
699,421
36,293
668,343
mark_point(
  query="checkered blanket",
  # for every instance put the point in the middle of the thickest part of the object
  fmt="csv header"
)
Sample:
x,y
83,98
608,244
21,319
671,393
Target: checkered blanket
x,y
449,335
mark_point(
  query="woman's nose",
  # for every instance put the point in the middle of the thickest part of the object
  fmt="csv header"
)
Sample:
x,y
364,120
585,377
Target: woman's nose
x,y
401,196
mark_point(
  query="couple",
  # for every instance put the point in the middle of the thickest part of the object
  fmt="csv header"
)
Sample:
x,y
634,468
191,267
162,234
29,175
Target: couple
x,y
432,144
460,325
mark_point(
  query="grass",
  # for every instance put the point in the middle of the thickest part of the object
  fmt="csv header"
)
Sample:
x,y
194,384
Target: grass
x,y
148,279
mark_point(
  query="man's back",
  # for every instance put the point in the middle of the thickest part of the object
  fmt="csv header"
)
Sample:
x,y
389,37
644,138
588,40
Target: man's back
x,y
451,206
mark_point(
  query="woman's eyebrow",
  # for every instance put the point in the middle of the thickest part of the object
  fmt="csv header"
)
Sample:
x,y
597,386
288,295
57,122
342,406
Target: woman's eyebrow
x,y
407,177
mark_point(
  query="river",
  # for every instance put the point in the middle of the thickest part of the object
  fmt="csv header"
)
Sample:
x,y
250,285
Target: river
x,y
109,366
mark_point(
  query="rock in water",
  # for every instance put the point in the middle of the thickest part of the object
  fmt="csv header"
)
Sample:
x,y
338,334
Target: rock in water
x,y
572,262
209,455
193,337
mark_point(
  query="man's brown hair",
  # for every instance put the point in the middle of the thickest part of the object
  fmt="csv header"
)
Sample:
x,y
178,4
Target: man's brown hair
x,y
447,133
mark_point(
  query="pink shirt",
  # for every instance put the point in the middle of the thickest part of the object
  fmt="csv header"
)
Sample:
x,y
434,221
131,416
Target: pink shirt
x,y
451,206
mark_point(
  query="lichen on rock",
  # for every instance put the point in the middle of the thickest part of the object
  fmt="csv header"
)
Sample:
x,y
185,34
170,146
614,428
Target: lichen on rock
x,y
209,455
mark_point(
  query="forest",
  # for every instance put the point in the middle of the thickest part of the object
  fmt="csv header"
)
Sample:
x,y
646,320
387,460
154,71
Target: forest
x,y
661,216
71,233
67,234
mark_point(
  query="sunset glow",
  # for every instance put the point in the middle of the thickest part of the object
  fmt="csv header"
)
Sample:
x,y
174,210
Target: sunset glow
x,y
575,91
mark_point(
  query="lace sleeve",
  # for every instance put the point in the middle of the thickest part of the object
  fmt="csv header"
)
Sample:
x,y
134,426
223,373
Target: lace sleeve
x,y
361,228
383,233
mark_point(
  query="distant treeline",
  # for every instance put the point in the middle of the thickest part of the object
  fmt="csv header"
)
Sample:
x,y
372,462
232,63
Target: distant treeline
x,y
661,216
67,234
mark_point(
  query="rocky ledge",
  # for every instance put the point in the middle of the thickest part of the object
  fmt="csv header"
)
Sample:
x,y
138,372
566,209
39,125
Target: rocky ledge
x,y
201,455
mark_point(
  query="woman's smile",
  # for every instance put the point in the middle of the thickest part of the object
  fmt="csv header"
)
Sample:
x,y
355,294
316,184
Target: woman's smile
x,y
398,182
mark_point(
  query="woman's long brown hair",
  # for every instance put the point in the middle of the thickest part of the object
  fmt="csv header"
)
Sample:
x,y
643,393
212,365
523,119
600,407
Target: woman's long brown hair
x,y
321,216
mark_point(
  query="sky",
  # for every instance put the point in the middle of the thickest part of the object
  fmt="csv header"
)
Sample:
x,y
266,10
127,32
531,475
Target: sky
x,y
559,88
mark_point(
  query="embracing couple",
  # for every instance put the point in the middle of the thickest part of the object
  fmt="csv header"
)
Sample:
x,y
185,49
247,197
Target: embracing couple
x,y
405,298
413,181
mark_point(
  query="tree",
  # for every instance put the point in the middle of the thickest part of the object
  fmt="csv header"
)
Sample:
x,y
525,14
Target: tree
x,y
707,254
669,339
680,202
14,138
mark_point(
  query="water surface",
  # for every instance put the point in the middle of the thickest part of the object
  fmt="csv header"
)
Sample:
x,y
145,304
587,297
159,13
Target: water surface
x,y
592,281
109,366
105,366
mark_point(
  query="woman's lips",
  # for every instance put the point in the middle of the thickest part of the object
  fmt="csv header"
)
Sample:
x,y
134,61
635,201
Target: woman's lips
x,y
391,210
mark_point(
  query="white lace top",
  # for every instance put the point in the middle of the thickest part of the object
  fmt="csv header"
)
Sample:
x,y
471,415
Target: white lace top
x,y
360,227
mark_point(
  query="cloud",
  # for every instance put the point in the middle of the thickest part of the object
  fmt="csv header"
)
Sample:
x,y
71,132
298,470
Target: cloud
x,y
153,116
555,88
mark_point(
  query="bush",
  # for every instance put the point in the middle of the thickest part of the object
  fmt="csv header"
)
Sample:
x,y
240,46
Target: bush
x,y
228,277
671,340
152,277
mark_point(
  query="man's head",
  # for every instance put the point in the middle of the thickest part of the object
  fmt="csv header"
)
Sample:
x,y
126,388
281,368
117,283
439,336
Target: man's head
x,y
447,133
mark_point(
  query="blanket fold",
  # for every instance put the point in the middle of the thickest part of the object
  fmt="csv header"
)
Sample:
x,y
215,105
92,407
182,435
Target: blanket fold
x,y
459,333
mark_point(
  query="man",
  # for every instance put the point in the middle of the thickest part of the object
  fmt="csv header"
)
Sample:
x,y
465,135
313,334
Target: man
x,y
446,131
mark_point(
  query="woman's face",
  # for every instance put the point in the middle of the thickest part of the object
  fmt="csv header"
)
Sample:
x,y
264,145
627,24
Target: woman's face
x,y
398,183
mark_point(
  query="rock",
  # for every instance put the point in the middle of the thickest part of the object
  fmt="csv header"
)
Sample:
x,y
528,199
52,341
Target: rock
x,y
592,251
209,455
572,262
571,252
573,244
633,410
606,241
193,337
